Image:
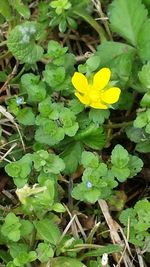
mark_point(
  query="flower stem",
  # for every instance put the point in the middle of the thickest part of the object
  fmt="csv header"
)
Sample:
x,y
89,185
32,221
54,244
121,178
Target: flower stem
x,y
118,125
93,23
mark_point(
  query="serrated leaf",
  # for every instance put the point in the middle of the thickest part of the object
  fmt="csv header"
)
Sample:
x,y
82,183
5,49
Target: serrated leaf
x,y
98,116
144,75
89,159
144,41
92,136
47,231
134,134
127,18
71,156
21,43
119,157
11,227
34,87
26,116
141,120
22,9
121,173
109,51
143,147
49,134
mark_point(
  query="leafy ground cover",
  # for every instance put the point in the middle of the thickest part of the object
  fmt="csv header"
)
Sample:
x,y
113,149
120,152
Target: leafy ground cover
x,y
74,133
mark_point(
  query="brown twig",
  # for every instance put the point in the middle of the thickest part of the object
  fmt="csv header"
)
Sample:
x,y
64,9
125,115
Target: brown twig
x,y
10,77
114,228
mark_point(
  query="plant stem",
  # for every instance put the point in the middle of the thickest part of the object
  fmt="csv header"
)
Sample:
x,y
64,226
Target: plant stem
x,y
118,125
93,23
3,43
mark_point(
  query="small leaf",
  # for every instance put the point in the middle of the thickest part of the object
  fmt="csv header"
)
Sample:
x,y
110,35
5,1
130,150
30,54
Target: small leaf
x,y
11,227
47,231
21,8
144,75
98,116
44,252
26,116
119,157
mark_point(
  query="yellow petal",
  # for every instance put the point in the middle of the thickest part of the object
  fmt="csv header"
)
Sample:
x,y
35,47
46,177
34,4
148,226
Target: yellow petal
x,y
80,82
111,95
83,99
101,78
98,105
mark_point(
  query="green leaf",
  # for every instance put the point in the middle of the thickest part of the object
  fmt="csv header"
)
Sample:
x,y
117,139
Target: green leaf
x,y
66,262
54,164
11,227
89,159
26,116
21,43
141,120
21,8
145,101
26,228
121,173
53,75
20,170
58,207
71,156
35,88
16,248
92,136
49,133
98,116
144,75
24,258
47,231
44,252
125,21
109,51
68,121
144,41
135,134
119,157
135,165
143,146
55,50
93,62
5,10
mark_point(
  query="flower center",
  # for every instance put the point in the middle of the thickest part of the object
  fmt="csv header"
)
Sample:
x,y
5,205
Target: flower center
x,y
94,94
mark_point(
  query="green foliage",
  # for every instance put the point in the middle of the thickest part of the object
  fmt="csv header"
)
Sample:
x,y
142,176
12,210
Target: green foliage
x,y
47,231
98,180
53,147
33,87
124,165
22,43
125,21
20,170
138,219
11,227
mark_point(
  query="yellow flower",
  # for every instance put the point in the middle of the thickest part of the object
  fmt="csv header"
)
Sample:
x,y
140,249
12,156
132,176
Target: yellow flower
x,y
96,95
